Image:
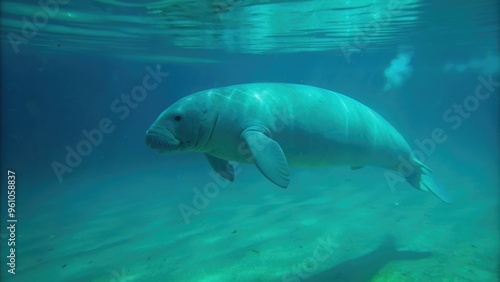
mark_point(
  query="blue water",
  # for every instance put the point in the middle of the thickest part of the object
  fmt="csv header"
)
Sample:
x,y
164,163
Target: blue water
x,y
109,208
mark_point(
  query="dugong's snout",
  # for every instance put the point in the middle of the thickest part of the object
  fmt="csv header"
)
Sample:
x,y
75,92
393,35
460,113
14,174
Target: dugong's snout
x,y
161,139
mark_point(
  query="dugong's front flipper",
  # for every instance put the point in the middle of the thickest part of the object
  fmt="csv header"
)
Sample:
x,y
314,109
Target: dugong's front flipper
x,y
268,156
222,167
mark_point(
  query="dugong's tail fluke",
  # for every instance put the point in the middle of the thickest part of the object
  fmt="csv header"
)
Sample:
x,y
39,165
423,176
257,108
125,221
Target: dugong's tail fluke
x,y
423,179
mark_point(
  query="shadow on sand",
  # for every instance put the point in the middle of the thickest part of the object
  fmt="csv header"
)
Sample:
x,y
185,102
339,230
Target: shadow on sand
x,y
365,268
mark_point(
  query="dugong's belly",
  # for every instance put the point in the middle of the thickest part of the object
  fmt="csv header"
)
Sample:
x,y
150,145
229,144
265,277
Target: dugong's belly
x,y
309,148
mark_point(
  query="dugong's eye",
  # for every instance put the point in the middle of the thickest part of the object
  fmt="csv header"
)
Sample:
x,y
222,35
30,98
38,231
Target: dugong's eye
x,y
177,118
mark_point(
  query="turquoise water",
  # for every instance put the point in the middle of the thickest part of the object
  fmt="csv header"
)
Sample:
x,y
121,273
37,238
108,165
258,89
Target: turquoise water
x,y
83,82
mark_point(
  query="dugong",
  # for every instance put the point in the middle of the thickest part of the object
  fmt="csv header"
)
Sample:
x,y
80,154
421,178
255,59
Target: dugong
x,y
280,125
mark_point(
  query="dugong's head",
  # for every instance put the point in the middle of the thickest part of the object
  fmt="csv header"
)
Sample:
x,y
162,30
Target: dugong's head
x,y
182,127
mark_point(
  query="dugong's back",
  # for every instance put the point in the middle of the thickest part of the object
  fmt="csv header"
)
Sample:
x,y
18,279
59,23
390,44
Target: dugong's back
x,y
314,126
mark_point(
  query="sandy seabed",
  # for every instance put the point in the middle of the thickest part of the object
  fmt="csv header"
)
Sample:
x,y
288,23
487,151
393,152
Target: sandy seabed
x,y
129,227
